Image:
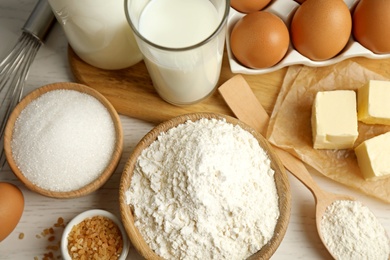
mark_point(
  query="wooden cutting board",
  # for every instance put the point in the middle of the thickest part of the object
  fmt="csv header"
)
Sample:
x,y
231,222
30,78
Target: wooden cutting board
x,y
131,92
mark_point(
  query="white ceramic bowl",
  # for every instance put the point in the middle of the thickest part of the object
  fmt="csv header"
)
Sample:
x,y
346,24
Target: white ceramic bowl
x,y
285,9
89,214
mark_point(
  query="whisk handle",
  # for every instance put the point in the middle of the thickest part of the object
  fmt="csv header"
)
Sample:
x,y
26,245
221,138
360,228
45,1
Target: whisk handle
x,y
40,20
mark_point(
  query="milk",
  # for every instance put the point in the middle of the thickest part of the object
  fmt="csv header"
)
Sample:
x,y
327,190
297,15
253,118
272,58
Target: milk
x,y
184,68
98,32
188,85
178,23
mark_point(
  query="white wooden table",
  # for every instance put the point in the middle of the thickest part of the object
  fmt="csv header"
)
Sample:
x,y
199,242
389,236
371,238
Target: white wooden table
x,y
301,240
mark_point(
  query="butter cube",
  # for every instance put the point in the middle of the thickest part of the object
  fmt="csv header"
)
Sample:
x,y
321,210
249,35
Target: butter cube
x,y
373,157
334,119
374,102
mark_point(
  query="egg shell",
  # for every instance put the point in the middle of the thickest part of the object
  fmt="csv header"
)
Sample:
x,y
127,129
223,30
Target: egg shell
x,y
11,208
259,40
371,25
249,6
320,29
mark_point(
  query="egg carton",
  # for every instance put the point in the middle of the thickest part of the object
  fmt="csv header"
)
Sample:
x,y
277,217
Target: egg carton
x,y
285,9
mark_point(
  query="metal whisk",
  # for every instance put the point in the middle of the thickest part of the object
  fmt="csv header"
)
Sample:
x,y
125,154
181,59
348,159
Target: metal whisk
x,y
15,67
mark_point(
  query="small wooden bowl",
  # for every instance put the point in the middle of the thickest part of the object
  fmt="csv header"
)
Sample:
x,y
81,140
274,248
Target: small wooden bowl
x,y
108,171
281,180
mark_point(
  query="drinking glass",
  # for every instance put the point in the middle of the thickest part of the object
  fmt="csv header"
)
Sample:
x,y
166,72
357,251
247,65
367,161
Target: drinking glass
x,y
182,42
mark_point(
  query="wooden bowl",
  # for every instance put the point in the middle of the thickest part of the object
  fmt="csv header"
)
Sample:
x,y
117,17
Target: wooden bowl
x,y
103,177
281,180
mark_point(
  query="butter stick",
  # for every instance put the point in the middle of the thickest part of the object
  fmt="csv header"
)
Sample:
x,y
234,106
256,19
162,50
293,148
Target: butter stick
x,y
334,119
373,157
374,102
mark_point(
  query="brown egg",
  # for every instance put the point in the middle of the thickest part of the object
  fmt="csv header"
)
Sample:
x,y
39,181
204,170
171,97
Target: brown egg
x,y
371,25
320,29
249,6
259,40
11,208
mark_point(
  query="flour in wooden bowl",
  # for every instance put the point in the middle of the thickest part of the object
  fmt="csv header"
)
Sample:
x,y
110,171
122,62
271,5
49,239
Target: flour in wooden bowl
x,y
204,190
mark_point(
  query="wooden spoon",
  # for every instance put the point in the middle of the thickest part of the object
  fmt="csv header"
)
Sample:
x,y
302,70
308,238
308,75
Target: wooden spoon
x,y
244,104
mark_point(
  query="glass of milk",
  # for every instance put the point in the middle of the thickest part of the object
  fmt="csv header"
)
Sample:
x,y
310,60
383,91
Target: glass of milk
x,y
182,42
98,32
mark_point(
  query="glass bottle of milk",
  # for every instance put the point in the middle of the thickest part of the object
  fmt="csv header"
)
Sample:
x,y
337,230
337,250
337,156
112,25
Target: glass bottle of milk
x,y
98,32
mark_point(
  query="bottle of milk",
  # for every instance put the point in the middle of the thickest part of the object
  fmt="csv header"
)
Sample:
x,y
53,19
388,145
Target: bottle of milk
x,y
98,32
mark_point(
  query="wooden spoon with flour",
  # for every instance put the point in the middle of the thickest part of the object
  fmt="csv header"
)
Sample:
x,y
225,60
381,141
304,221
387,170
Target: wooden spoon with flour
x,y
244,104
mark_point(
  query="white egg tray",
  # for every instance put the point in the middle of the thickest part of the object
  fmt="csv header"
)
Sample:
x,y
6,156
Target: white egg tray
x,y
285,10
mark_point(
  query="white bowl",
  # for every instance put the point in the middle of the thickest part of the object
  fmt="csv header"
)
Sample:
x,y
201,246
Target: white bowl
x,y
89,214
285,9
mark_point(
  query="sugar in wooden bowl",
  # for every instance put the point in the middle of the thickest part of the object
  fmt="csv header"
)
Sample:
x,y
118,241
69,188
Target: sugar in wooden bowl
x,y
63,140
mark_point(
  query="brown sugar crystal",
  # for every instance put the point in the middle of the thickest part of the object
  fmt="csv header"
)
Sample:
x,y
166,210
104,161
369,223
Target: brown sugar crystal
x,y
95,238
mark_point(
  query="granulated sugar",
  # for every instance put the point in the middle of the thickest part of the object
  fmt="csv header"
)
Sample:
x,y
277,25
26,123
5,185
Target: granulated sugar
x,y
63,140
204,190
351,231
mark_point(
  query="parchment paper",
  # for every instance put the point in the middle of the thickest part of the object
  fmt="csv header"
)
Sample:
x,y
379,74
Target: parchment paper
x,y
290,125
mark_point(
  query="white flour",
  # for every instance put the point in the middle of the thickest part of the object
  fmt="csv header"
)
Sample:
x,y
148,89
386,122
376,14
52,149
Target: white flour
x,y
204,190
351,231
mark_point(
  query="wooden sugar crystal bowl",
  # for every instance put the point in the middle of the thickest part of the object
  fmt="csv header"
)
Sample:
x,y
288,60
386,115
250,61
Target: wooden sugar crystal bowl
x,y
76,129
280,176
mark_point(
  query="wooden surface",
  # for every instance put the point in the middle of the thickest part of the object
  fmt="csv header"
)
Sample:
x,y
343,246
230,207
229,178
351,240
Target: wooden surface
x,y
131,91
40,213
132,94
